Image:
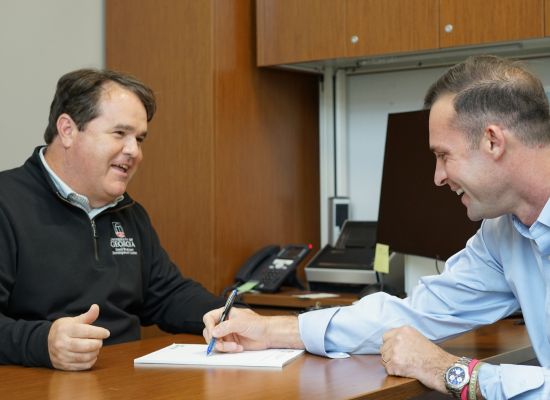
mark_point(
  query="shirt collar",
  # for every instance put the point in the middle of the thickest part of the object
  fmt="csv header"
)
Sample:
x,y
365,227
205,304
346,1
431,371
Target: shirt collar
x,y
69,194
539,230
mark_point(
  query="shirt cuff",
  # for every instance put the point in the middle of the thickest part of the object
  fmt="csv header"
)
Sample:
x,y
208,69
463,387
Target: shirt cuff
x,y
313,326
509,380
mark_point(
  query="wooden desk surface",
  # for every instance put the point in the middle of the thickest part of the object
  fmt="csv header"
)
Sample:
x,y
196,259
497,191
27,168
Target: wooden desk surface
x,y
309,377
287,298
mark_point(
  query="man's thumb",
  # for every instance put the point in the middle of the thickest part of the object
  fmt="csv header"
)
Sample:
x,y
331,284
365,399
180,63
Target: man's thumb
x,y
89,316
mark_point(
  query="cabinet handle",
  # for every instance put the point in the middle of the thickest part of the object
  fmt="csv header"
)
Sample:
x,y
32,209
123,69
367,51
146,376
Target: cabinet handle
x,y
354,39
448,28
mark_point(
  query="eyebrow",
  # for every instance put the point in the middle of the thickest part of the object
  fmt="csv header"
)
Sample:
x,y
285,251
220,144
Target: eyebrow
x,y
130,128
125,127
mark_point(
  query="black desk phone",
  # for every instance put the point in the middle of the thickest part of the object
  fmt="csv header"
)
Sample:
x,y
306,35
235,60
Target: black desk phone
x,y
271,266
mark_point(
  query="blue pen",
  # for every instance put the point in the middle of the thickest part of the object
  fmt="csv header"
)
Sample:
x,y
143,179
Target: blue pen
x,y
225,313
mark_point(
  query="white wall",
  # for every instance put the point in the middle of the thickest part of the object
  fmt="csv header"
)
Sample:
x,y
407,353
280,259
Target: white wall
x,y
370,99
40,40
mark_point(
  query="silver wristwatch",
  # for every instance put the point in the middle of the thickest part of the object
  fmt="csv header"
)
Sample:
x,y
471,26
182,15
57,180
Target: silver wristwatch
x,y
457,376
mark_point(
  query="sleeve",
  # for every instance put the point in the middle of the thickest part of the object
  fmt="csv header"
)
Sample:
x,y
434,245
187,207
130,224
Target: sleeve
x,y
175,303
521,382
472,291
21,342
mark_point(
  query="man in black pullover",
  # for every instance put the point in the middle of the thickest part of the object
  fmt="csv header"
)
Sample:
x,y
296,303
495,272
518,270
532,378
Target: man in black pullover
x,y
80,263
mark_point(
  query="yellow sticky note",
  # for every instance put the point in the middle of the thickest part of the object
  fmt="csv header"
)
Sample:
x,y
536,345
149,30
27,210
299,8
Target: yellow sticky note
x,y
382,258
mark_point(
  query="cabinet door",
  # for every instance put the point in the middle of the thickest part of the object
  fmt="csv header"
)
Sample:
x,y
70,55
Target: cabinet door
x,y
381,26
469,22
299,30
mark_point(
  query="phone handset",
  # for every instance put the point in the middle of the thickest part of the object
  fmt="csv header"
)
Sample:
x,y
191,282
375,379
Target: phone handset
x,y
252,263
267,274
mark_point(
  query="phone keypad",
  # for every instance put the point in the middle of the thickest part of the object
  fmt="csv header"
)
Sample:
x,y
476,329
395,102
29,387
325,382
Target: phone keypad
x,y
275,272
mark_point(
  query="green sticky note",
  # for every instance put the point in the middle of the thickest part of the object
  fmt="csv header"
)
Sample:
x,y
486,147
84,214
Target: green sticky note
x,y
247,286
382,258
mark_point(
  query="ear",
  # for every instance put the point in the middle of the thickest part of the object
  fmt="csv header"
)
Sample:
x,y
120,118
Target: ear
x,y
494,141
66,130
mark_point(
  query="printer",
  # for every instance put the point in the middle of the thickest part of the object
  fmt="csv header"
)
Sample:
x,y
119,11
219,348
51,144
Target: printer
x,y
348,265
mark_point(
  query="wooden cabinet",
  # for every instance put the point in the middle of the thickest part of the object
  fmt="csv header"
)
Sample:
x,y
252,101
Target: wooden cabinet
x,y
295,31
291,31
231,162
380,27
471,22
547,18
299,30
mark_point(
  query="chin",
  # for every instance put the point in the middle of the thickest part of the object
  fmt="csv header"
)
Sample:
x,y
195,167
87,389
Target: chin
x,y
116,189
473,215
478,215
117,194
475,218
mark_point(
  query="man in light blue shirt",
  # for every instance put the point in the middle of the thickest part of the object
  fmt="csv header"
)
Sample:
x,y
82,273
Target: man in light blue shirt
x,y
490,133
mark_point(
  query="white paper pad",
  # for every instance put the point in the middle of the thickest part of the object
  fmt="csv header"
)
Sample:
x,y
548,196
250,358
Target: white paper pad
x,y
316,295
195,354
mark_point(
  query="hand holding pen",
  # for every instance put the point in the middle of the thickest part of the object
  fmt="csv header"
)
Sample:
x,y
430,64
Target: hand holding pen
x,y
225,314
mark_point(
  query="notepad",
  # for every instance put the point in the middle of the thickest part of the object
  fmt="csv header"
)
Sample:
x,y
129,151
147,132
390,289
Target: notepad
x,y
195,354
315,296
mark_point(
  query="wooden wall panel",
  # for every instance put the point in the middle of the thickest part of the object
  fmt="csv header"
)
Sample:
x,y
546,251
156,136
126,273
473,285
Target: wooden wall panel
x,y
231,163
168,46
266,149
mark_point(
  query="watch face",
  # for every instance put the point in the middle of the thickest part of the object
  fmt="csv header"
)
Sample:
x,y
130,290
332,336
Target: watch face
x,y
457,376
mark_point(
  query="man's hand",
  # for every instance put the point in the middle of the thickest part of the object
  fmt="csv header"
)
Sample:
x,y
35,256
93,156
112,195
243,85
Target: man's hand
x,y
73,343
246,330
405,352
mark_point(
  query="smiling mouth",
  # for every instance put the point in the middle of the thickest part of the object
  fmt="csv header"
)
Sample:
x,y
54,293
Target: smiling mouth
x,y
122,167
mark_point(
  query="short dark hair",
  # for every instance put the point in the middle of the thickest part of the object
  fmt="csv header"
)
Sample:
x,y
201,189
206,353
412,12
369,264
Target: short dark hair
x,y
78,94
490,89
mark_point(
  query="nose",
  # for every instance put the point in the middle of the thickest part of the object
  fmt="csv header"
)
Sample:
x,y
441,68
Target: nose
x,y
440,175
131,147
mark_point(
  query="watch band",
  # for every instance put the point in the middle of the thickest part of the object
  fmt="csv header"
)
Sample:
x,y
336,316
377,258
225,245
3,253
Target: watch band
x,y
472,385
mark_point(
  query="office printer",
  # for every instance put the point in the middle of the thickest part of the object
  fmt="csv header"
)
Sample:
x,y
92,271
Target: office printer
x,y
348,265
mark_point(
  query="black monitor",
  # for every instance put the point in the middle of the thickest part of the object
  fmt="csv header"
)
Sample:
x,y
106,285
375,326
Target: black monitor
x,y
415,216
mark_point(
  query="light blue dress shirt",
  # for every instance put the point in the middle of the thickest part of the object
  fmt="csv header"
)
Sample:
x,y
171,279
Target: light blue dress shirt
x,y
504,267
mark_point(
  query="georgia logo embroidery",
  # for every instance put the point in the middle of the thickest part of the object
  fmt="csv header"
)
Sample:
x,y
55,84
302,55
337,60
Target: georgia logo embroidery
x,y
119,230
121,244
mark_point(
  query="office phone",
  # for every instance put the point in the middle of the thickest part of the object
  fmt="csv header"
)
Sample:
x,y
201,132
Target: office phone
x,y
271,266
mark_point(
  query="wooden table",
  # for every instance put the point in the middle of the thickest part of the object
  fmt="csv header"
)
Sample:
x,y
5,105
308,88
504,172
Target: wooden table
x,y
308,377
286,301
